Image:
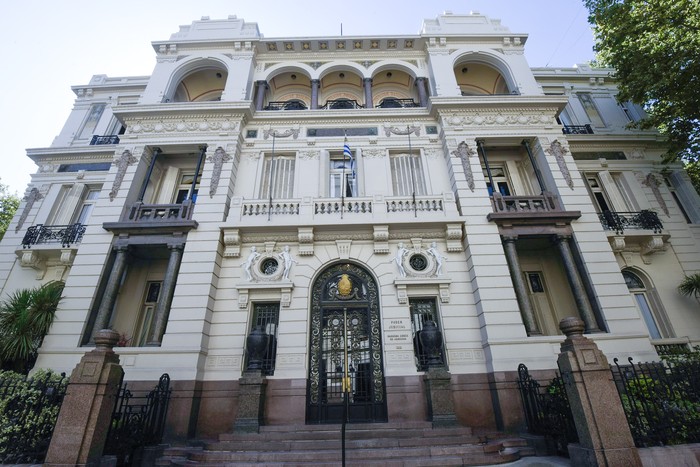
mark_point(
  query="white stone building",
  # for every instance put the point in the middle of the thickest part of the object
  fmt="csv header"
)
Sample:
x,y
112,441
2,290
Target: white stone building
x,y
185,208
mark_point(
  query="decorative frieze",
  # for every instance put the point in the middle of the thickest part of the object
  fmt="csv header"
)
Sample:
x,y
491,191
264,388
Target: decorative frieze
x,y
391,130
199,125
268,131
497,119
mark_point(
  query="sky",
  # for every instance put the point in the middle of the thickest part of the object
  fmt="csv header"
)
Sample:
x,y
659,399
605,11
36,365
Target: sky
x,y
46,52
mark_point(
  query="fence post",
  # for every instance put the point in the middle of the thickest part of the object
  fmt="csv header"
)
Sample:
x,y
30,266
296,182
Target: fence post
x,y
86,413
603,431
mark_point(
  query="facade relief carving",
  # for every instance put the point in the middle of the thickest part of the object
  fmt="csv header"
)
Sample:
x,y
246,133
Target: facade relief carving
x,y
557,150
652,181
490,119
219,158
267,132
464,152
33,196
124,161
200,125
391,130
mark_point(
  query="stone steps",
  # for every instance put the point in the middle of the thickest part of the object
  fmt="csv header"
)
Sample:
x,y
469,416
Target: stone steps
x,y
367,445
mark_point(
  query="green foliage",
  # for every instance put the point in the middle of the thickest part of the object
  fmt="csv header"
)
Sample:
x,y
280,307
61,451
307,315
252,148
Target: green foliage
x,y
690,286
693,169
653,47
9,203
25,318
28,412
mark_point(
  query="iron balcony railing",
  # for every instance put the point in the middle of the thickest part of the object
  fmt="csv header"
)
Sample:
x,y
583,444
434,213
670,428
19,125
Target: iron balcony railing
x,y
619,221
339,104
577,130
104,139
285,105
395,103
66,235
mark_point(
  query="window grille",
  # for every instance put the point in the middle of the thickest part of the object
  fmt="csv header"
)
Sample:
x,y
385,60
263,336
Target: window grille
x,y
266,315
422,310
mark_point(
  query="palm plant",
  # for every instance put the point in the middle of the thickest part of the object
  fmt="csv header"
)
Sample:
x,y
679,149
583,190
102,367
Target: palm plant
x,y
25,318
690,286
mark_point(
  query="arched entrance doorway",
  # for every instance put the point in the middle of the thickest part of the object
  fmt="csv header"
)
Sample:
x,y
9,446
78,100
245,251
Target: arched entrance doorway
x,y
345,344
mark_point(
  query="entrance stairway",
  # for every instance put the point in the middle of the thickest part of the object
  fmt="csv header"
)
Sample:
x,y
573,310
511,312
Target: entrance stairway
x,y
386,444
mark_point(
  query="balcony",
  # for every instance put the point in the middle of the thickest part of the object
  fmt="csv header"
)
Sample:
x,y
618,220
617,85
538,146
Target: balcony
x,y
535,214
285,105
105,139
144,218
635,231
360,210
395,103
619,221
577,130
342,104
66,235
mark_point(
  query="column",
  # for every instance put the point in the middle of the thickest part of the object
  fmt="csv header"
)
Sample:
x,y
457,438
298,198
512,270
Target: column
x,y
260,96
315,83
520,287
584,307
142,193
368,93
160,319
110,294
422,93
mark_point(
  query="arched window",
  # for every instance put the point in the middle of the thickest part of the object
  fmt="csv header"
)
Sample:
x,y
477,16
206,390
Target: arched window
x,y
653,315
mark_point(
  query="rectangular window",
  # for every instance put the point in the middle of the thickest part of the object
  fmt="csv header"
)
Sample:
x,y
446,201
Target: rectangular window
x,y
184,187
278,177
266,316
342,177
500,179
407,174
590,108
85,209
90,123
150,300
681,208
598,193
424,310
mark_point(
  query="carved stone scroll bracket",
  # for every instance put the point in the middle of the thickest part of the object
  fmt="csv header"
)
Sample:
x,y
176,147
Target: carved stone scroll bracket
x,y
218,158
33,196
122,163
389,130
282,290
653,245
404,288
381,239
453,236
232,243
463,153
306,241
558,151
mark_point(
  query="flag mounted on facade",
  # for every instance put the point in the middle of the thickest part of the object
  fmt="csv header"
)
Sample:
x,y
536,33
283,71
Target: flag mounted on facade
x,y
348,153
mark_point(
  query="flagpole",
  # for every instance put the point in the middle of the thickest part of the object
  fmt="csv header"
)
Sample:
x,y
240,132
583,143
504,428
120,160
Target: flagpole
x,y
413,176
272,167
342,180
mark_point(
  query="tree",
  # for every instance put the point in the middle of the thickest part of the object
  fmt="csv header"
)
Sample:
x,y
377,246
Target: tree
x,y
9,203
690,286
653,46
693,169
25,318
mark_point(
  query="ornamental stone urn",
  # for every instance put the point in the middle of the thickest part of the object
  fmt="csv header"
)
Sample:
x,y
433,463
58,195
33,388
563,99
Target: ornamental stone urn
x,y
431,340
256,346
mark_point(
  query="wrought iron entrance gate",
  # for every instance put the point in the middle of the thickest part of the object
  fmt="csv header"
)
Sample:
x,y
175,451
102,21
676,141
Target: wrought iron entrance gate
x,y
345,342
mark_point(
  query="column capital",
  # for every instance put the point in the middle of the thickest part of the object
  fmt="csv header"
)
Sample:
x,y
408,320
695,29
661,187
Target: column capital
x,y
509,238
367,80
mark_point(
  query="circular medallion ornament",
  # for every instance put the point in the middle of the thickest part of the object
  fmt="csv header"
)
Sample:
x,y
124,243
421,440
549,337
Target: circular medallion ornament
x,y
269,266
418,262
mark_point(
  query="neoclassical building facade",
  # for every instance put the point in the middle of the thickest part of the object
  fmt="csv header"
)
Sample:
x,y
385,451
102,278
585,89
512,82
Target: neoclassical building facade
x,y
346,196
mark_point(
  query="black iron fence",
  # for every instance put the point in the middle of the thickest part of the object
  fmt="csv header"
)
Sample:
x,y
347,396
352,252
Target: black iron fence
x,y
104,139
661,400
547,411
137,421
577,130
28,413
66,235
